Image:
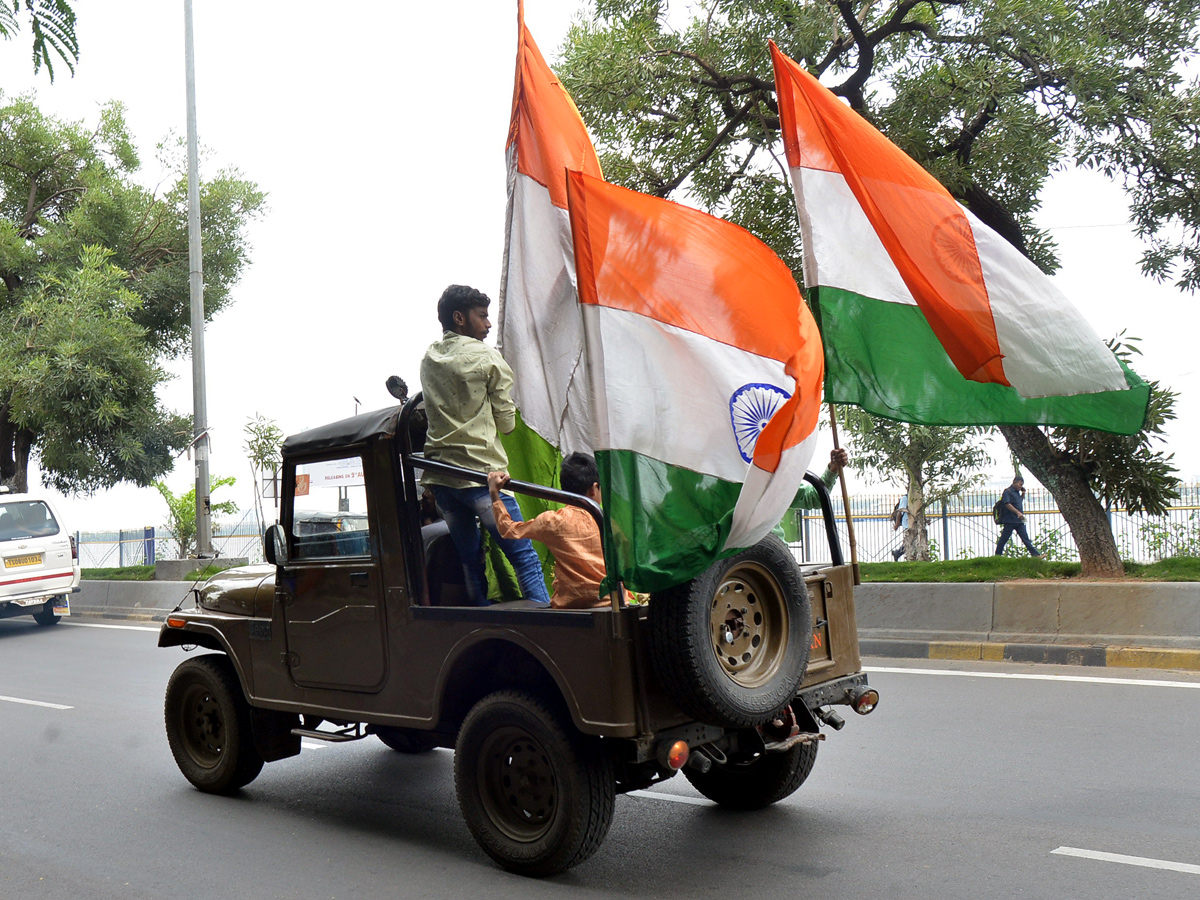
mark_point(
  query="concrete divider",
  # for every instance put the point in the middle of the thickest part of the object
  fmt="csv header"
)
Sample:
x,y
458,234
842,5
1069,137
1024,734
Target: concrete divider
x,y
1128,624
138,600
1149,614
1150,624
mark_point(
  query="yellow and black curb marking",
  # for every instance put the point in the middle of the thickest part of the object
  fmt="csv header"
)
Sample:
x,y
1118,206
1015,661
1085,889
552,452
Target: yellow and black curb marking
x,y
1053,654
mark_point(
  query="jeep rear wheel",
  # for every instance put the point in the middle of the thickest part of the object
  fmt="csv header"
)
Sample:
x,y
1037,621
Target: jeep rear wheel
x,y
208,725
536,794
756,781
731,646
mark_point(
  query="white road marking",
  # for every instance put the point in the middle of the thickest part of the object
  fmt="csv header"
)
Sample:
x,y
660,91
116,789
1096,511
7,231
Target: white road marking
x,y
314,745
119,627
1144,861
673,798
35,703
1085,679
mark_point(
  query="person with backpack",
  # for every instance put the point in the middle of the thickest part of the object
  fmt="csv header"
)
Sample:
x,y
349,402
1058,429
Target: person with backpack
x,y
1012,517
900,523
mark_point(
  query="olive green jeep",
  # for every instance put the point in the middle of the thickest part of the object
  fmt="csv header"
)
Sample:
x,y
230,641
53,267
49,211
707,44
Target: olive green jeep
x,y
357,627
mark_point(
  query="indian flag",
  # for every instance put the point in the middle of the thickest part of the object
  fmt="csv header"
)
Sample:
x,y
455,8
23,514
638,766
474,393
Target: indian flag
x,y
540,329
705,370
927,314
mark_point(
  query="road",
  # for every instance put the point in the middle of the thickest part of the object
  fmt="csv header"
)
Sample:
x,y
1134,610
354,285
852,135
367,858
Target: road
x,y
989,781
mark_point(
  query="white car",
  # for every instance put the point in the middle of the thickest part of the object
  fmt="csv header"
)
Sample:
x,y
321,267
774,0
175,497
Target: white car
x,y
39,561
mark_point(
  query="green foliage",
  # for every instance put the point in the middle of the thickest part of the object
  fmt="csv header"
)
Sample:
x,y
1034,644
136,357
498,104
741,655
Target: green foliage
x,y
990,96
75,370
94,293
1126,470
53,25
1167,538
181,512
932,464
263,440
119,573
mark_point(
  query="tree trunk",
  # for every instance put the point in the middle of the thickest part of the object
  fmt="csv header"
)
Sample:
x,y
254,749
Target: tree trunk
x,y
15,445
916,536
1079,506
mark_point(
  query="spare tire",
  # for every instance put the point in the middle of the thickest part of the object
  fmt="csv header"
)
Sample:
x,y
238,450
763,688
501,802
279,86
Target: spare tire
x,y
731,646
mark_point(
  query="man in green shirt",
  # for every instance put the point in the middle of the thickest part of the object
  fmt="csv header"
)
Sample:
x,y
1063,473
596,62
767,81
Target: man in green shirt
x,y
467,387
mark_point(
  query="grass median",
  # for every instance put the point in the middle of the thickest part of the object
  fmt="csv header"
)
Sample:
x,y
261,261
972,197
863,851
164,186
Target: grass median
x,y
1004,568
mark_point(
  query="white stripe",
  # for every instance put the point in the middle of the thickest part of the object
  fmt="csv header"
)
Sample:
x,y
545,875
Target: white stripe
x,y
119,627
1048,346
766,496
1143,861
673,798
314,745
841,246
1023,676
541,334
35,703
664,392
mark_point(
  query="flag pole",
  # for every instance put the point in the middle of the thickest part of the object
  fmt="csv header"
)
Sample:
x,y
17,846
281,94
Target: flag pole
x,y
845,501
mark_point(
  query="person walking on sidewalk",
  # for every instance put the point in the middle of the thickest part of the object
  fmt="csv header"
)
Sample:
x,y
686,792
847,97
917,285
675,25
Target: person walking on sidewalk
x,y
1012,517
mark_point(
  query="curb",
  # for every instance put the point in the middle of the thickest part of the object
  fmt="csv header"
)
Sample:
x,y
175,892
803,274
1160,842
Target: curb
x,y
1052,654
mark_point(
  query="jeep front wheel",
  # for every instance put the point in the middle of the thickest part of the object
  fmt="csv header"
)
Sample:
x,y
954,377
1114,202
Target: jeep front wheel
x,y
208,725
536,794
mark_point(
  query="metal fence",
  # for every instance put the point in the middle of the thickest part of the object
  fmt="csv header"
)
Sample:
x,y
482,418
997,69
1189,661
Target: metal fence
x,y
143,546
960,529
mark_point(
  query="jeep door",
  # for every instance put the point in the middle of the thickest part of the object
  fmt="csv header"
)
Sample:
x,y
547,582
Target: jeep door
x,y
331,588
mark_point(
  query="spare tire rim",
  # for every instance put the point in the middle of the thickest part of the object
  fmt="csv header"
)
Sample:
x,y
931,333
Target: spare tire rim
x,y
749,617
517,784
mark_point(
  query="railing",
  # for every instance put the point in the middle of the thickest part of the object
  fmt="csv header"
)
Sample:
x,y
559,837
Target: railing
x,y
962,528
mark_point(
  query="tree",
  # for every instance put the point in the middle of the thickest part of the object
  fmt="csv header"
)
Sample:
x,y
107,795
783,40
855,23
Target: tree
x,y
53,25
991,97
931,464
94,294
263,440
181,513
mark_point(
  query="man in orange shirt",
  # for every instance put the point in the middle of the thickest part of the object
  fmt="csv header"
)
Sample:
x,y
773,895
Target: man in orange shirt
x,y
570,533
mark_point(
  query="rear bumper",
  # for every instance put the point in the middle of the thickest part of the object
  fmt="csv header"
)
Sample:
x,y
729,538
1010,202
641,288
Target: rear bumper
x,y
27,603
836,692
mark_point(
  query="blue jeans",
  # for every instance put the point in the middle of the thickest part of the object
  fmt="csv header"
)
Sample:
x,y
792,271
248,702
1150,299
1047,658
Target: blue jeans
x,y
1007,531
464,510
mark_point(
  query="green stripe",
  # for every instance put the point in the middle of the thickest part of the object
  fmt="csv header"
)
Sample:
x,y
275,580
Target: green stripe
x,y
885,358
532,458
663,524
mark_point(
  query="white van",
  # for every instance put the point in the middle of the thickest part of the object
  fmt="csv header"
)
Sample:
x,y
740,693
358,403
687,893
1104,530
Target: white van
x,y
39,561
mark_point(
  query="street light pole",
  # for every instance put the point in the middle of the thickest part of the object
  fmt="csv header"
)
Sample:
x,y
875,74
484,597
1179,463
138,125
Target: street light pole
x,y
196,284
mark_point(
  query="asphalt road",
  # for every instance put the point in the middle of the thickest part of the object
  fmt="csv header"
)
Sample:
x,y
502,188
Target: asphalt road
x,y
1043,782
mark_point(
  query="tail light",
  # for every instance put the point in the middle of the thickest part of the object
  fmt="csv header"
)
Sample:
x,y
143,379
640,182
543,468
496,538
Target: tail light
x,y
674,755
74,548
864,700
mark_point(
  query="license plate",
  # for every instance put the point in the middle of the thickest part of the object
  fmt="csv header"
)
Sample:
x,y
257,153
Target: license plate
x,y
34,559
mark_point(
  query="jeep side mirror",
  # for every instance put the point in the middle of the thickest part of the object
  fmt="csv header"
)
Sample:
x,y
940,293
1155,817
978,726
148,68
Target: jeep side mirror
x,y
275,547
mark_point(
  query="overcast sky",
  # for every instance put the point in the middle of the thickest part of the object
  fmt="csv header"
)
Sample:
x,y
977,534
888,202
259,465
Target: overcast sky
x,y
380,143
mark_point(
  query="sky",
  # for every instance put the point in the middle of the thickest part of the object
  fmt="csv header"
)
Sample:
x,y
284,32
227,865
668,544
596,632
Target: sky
x,y
379,141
